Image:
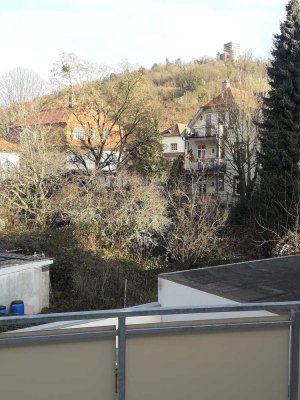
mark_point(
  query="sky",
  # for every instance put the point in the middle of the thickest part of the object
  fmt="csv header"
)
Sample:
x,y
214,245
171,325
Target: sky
x,y
33,33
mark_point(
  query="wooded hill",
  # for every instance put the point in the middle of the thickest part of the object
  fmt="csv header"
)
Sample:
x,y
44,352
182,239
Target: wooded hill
x,y
177,89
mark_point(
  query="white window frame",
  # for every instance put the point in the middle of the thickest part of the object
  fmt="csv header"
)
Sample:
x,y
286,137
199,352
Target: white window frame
x,y
94,134
75,134
174,146
208,119
201,152
236,182
81,134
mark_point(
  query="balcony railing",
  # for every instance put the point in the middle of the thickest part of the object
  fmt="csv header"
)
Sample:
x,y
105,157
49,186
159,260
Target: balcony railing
x,y
236,358
209,165
204,131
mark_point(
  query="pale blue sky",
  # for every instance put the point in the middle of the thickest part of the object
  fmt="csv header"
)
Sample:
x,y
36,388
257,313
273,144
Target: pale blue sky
x,y
34,32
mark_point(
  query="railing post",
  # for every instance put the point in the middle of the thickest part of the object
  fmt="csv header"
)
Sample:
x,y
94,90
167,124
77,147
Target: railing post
x,y
121,358
294,356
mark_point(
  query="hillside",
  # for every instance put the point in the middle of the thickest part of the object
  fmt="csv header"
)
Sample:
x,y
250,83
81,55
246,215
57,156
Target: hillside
x,y
181,88
176,89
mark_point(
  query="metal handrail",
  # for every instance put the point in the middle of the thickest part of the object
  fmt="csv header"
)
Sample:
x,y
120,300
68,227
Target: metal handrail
x,y
204,309
123,330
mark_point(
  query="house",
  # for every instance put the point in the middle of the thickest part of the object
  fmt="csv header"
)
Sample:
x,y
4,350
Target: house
x,y
24,278
220,143
173,141
75,132
9,157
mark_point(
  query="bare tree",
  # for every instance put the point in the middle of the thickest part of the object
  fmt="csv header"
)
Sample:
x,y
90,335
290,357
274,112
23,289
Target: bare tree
x,y
26,196
197,221
110,109
20,85
239,142
20,90
70,70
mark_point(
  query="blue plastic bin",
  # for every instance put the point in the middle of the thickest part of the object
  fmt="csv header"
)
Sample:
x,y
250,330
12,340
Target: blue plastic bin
x,y
17,307
2,309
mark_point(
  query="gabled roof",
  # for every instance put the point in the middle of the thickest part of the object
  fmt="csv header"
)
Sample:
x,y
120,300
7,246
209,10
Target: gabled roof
x,y
269,280
46,117
174,130
7,147
230,96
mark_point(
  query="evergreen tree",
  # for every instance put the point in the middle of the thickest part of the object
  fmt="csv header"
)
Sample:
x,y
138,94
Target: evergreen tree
x,y
279,133
145,157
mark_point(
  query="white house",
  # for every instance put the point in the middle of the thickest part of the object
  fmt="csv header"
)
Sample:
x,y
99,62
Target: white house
x,y
173,142
25,278
9,157
216,142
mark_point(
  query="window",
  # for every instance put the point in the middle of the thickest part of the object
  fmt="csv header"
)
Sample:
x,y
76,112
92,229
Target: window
x,y
201,152
221,184
78,134
75,133
94,134
236,186
81,134
222,117
173,146
105,133
208,124
208,119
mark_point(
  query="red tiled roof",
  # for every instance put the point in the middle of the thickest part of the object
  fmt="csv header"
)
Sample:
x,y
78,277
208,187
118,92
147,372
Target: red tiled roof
x,y
230,96
174,130
46,117
61,116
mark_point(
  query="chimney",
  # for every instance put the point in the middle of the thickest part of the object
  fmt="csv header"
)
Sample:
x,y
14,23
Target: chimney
x,y
226,84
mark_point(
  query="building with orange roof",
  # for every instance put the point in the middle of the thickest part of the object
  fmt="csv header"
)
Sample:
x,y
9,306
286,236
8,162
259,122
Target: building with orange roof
x,y
173,141
75,132
205,150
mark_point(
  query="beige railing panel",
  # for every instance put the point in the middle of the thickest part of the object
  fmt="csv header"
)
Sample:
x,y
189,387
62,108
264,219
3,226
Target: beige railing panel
x,y
77,370
225,365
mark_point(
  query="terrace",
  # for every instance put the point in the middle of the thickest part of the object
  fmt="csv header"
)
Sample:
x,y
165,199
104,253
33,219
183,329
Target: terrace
x,y
238,358
206,131
209,165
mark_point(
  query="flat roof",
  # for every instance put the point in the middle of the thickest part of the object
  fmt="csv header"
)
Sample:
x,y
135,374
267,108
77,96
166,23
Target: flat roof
x,y
273,279
12,259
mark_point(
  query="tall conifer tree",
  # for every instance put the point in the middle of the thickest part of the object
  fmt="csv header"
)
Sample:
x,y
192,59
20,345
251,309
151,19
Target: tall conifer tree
x,y
279,134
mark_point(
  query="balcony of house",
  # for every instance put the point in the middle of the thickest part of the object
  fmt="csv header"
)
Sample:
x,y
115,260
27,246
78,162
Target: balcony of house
x,y
203,132
206,166
253,357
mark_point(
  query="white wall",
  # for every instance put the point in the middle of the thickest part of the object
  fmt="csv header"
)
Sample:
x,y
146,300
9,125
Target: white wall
x,y
73,164
171,294
8,161
167,140
9,158
26,282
